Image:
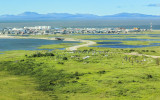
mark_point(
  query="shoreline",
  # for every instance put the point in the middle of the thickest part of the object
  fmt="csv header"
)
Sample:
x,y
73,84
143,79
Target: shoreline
x,y
21,37
6,36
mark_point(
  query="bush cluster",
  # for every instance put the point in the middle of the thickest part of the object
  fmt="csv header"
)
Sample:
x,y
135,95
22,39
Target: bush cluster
x,y
42,54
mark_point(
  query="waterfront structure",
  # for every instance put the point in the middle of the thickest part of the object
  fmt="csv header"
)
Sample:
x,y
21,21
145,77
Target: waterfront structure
x,y
46,30
38,28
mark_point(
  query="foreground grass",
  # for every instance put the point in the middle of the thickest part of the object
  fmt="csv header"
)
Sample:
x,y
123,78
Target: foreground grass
x,y
88,74
19,88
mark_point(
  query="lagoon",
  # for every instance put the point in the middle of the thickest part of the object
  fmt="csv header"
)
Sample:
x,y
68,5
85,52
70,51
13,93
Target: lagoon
x,y
126,39
124,46
120,45
28,44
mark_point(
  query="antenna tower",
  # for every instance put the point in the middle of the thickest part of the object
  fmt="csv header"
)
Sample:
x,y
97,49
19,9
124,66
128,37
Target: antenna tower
x,y
151,26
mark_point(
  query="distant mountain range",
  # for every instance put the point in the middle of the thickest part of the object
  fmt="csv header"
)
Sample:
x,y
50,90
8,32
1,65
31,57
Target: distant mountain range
x,y
67,16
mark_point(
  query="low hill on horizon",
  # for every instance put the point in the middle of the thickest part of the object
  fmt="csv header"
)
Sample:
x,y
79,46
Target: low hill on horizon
x,y
67,16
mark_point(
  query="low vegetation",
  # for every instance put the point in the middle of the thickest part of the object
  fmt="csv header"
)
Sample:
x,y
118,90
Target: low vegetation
x,y
13,87
58,46
90,73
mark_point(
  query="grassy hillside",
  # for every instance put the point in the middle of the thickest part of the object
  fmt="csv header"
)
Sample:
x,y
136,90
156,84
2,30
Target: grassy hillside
x,y
88,74
14,87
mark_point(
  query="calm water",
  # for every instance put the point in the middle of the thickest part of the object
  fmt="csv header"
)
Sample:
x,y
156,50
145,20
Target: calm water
x,y
128,23
120,45
126,39
27,44
125,46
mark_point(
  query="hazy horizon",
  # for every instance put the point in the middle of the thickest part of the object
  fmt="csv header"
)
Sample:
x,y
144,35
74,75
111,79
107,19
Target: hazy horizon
x,y
77,13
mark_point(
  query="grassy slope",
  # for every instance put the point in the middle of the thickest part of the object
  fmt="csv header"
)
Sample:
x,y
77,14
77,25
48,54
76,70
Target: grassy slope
x,y
100,77
105,75
13,87
19,88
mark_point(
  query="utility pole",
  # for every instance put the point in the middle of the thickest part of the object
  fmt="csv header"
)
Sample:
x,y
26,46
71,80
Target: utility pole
x,y
151,26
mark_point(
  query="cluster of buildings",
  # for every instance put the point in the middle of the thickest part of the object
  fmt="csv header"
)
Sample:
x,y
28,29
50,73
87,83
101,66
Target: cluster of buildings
x,y
46,30
27,30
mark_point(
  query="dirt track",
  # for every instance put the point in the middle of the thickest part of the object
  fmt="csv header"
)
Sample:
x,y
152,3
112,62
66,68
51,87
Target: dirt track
x,y
88,43
137,54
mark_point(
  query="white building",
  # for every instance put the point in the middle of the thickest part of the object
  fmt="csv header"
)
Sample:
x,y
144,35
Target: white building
x,y
39,28
17,29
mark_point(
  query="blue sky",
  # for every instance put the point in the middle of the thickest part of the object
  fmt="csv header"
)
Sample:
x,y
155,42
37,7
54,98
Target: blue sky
x,y
98,7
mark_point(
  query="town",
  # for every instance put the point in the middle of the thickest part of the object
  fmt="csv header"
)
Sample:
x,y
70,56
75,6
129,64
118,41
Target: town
x,y
46,30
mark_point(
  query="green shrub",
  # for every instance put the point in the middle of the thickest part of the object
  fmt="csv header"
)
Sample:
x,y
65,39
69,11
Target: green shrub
x,y
131,50
42,55
65,58
149,76
102,72
49,54
76,74
60,63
